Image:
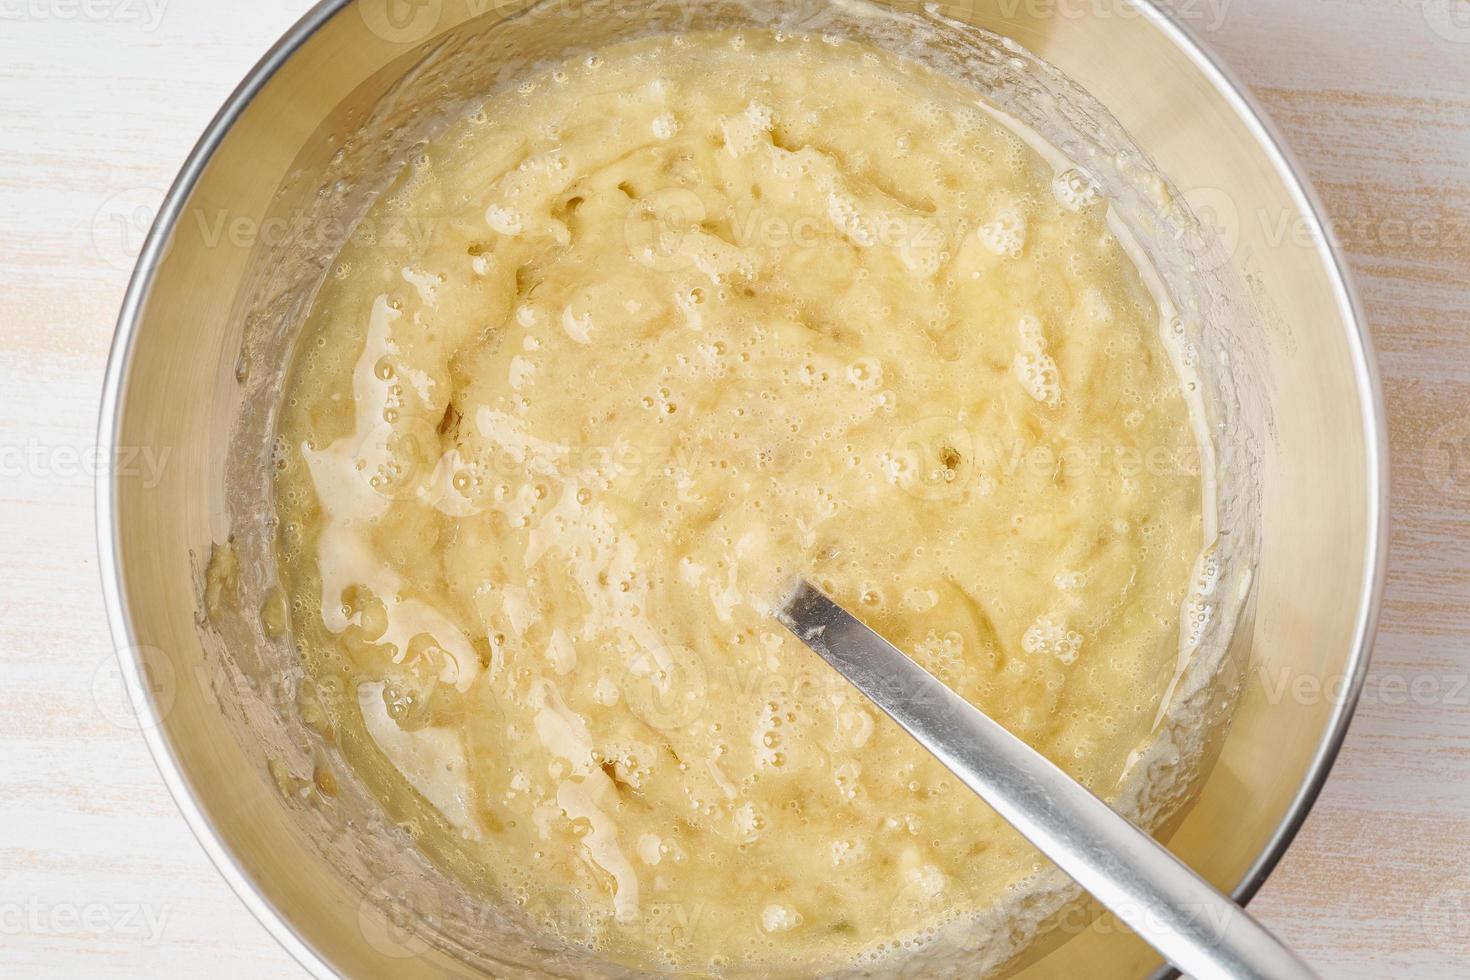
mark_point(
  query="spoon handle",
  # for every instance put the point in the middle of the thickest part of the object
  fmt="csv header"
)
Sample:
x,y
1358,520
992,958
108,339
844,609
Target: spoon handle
x,y
1200,931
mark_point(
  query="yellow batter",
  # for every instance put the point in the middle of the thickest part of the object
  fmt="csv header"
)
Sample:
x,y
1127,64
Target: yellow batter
x,y
678,321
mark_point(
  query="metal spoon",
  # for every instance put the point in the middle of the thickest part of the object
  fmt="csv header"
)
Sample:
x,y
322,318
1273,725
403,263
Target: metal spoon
x,y
1200,931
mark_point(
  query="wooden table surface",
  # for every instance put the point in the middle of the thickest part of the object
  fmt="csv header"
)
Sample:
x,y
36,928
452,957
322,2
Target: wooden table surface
x,y
100,100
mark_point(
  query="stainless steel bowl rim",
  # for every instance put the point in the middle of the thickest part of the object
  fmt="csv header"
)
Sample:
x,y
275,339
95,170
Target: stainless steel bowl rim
x,y
124,635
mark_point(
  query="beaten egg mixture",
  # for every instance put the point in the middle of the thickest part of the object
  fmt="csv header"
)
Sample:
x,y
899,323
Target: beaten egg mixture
x,y
670,325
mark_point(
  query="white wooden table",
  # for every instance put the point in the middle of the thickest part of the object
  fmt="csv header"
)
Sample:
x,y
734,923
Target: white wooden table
x,y
100,101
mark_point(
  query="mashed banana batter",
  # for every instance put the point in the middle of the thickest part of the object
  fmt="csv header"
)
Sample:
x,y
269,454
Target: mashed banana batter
x,y
671,324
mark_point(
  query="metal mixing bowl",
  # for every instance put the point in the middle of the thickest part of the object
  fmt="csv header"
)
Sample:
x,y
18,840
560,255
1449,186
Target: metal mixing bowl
x,y
291,162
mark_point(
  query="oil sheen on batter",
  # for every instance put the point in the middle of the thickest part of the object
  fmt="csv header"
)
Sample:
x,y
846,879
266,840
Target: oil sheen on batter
x,y
632,346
